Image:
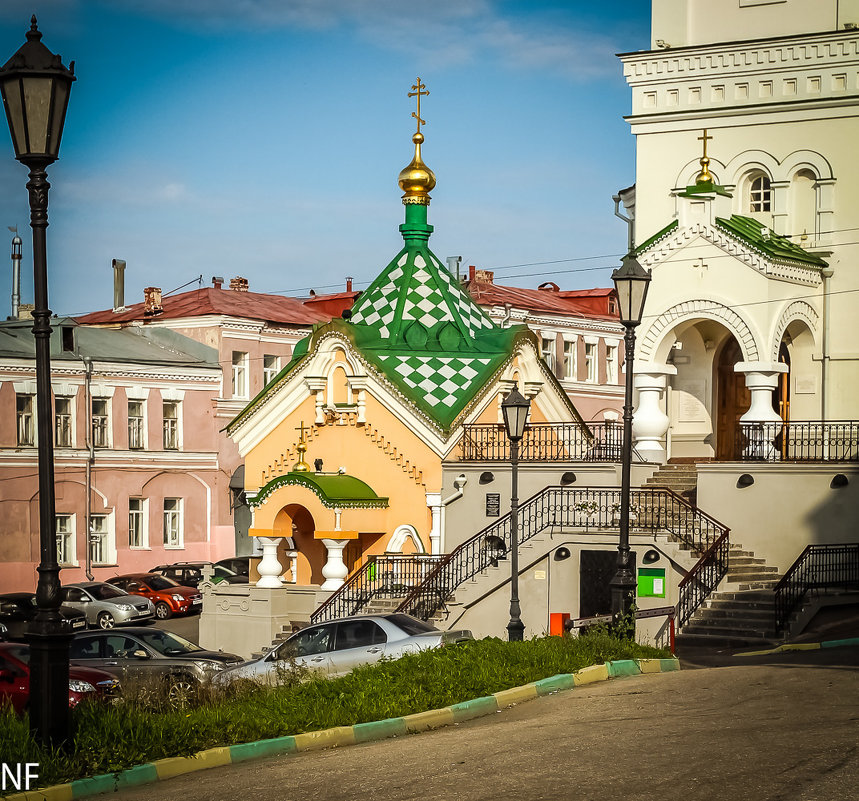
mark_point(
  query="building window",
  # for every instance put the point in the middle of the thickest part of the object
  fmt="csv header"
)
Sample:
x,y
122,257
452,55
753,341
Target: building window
x,y
26,427
547,351
65,539
99,538
173,523
240,374
137,531
100,423
611,364
136,428
591,361
63,422
760,194
171,426
270,368
570,360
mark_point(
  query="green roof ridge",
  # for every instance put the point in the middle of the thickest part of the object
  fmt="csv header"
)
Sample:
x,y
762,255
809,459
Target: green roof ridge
x,y
655,238
336,491
772,244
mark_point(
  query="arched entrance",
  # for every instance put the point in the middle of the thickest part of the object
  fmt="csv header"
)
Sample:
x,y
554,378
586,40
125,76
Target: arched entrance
x,y
733,399
296,522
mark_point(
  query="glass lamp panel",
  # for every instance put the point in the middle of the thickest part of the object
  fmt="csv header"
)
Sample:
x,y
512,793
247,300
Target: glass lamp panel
x,y
58,117
11,88
37,105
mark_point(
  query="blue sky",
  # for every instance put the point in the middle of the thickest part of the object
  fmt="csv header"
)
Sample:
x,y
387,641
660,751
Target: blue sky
x,y
263,138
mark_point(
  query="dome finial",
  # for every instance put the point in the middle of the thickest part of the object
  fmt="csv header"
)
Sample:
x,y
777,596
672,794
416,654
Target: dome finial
x,y
301,466
705,176
417,179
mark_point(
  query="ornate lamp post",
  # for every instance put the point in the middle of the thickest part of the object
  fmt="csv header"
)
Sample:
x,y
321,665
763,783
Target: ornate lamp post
x,y
35,87
515,409
631,282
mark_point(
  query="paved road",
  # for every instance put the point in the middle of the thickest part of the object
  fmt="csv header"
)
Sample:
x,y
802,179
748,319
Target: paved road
x,y
759,732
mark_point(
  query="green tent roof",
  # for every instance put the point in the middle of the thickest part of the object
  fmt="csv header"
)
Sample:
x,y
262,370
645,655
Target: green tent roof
x,y
335,490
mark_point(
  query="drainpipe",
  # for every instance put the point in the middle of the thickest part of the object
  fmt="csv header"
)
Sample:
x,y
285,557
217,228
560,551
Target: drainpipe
x,y
16,275
826,272
508,313
630,231
89,462
459,482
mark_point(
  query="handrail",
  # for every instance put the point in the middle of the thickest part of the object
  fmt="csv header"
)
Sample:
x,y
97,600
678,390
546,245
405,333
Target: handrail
x,y
588,509
819,566
379,576
542,442
798,441
695,587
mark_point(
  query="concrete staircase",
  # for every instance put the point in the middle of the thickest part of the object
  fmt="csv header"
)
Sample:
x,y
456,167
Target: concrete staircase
x,y
681,477
741,612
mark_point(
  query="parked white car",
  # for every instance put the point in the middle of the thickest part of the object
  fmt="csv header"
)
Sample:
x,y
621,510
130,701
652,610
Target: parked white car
x,y
106,606
336,647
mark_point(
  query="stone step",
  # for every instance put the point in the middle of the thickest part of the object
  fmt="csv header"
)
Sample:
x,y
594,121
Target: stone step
x,y
730,630
743,617
684,641
740,606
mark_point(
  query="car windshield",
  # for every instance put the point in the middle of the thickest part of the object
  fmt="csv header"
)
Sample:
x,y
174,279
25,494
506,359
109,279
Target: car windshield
x,y
168,644
223,572
410,625
102,592
161,583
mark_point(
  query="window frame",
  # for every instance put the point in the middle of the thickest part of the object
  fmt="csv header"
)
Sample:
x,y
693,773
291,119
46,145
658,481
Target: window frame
x,y
240,385
67,418
100,423
549,355
760,197
269,371
66,556
105,541
571,361
591,363
173,519
612,373
141,515
171,428
140,425
25,420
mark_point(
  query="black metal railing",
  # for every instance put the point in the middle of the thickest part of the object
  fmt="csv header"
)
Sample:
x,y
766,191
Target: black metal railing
x,y
819,567
544,442
809,441
652,510
695,587
381,576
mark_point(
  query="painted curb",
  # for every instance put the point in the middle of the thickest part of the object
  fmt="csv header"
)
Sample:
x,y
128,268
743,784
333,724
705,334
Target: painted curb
x,y
348,735
803,646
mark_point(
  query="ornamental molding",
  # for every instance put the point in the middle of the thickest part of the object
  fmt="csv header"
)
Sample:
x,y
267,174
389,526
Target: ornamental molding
x,y
798,310
692,309
777,269
143,374
293,480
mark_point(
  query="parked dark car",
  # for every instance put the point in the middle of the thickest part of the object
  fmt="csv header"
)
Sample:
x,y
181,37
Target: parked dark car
x,y
107,606
240,565
168,597
15,679
190,574
17,609
147,653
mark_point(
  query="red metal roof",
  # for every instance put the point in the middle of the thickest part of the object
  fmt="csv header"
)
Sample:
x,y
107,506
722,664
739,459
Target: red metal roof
x,y
585,302
209,300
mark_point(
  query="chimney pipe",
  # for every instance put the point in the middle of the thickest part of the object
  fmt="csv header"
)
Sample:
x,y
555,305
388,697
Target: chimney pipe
x,y
239,284
453,263
152,301
217,281
349,284
16,275
118,285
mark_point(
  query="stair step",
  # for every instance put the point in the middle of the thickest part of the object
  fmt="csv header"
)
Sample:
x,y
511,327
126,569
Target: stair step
x,y
730,631
709,641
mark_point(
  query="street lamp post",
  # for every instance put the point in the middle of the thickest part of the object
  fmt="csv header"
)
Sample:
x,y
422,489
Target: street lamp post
x,y
515,409
35,87
631,282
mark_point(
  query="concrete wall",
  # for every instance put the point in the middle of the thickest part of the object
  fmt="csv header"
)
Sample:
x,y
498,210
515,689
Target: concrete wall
x,y
788,507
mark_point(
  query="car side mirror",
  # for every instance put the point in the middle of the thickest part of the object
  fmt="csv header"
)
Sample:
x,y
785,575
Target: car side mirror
x,y
140,654
84,600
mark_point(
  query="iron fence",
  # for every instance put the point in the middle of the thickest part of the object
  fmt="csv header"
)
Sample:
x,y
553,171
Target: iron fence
x,y
818,567
810,441
380,576
653,509
544,442
702,579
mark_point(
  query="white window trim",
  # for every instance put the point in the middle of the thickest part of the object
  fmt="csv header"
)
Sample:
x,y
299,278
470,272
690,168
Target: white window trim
x,y
144,514
72,415
179,426
108,426
110,539
181,516
145,428
73,541
574,341
592,365
243,366
34,421
268,373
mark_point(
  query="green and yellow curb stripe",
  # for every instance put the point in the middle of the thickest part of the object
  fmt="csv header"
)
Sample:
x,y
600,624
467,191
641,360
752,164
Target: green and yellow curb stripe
x,y
346,735
802,646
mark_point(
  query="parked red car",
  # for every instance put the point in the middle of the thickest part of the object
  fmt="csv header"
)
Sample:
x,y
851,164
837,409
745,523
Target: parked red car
x,y
15,679
168,597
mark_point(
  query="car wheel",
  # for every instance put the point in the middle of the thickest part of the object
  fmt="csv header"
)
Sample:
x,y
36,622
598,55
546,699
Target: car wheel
x,y
105,620
162,611
181,690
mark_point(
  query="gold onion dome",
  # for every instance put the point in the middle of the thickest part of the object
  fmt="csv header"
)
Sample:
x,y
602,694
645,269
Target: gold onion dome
x,y
417,180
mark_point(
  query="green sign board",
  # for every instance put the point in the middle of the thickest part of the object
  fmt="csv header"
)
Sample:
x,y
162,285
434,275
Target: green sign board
x,y
651,582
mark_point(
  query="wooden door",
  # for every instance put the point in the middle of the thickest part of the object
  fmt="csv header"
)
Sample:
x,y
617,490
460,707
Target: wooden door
x,y
734,400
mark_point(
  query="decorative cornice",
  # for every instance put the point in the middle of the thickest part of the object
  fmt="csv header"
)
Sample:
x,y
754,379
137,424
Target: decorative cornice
x,y
297,480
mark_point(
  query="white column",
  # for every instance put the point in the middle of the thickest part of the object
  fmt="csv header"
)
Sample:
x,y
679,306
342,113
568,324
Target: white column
x,y
434,504
763,421
649,422
269,567
335,570
318,386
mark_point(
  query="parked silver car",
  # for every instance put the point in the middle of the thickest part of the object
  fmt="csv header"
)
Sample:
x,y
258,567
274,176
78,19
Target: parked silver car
x,y
336,647
107,606
150,653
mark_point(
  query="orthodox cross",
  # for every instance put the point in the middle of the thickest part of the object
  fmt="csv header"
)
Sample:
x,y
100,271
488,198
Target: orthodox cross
x,y
701,266
419,93
300,429
704,139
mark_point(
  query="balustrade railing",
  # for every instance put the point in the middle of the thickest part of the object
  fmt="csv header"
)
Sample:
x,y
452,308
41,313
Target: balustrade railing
x,y
818,567
380,576
696,586
652,510
544,442
809,441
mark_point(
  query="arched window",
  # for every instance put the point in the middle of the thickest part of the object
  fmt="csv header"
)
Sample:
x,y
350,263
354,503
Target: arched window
x,y
760,194
803,191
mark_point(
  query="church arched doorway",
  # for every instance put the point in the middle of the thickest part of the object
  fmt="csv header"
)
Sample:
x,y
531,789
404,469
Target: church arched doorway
x,y
296,523
733,399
